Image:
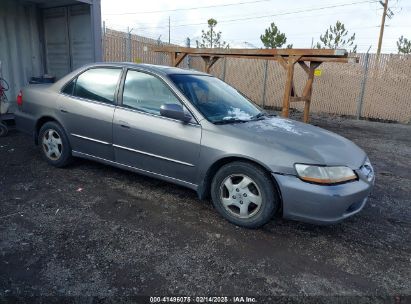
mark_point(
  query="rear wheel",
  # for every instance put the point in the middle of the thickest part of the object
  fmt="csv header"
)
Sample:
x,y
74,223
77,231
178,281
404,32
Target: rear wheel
x,y
244,194
54,144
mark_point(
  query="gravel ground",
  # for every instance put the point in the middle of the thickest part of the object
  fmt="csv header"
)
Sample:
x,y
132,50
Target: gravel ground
x,y
93,230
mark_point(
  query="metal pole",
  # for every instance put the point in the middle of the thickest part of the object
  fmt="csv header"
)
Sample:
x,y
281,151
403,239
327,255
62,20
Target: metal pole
x,y
265,81
224,68
125,47
129,45
188,43
169,30
103,41
363,81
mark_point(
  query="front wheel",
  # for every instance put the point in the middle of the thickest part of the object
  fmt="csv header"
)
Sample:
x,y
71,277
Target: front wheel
x,y
54,144
244,194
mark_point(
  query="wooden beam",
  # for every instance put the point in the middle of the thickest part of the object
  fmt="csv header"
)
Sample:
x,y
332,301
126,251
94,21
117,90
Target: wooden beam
x,y
282,61
282,58
179,58
331,59
305,67
212,62
257,52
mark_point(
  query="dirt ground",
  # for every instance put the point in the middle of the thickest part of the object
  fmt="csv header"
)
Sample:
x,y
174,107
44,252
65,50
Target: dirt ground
x,y
93,230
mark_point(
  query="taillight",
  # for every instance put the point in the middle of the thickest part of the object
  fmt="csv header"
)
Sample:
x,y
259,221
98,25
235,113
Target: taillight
x,y
20,99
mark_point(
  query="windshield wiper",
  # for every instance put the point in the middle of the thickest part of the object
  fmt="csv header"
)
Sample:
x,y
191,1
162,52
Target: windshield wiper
x,y
262,114
229,121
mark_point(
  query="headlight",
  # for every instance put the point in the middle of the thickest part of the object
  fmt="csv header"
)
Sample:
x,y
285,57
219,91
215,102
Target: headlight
x,y
325,175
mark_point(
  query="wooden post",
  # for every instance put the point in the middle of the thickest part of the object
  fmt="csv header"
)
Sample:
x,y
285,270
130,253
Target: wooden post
x,y
172,58
176,58
209,62
288,85
308,89
206,61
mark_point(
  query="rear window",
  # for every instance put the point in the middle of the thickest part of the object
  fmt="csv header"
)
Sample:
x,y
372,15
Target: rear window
x,y
95,84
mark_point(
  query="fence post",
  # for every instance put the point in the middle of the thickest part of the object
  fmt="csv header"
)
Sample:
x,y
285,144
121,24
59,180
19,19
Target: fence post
x,y
188,44
265,81
103,41
363,82
129,46
224,68
124,55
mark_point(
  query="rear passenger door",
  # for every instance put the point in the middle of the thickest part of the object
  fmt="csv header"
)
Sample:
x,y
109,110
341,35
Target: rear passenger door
x,y
86,108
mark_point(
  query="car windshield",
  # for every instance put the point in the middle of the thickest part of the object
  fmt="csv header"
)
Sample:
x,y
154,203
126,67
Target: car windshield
x,y
216,100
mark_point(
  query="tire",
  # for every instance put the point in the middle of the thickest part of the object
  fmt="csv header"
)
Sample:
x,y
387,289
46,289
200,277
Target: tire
x,y
252,200
54,144
3,130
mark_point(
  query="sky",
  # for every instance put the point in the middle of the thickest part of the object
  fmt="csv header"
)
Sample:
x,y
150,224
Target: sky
x,y
243,21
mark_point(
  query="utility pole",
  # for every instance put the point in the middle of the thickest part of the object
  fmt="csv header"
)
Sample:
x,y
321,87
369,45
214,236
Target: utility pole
x,y
169,30
384,14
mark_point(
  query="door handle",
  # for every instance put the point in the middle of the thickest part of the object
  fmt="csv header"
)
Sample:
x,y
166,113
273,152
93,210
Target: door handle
x,y
124,124
63,111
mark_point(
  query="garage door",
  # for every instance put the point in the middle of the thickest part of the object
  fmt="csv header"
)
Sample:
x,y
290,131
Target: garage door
x,y
68,38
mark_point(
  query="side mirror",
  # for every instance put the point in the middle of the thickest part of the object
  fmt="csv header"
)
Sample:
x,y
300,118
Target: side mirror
x,y
175,111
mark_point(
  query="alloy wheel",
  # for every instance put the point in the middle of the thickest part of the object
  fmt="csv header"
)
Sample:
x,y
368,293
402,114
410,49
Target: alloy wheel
x,y
52,144
240,195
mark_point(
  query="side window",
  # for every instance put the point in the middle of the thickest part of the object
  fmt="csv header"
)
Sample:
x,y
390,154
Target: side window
x,y
97,84
146,93
69,88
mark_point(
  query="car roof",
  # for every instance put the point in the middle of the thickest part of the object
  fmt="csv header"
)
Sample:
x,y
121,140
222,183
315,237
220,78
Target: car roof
x,y
159,69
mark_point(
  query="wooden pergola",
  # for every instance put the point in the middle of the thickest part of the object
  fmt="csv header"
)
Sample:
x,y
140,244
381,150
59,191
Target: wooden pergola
x,y
308,59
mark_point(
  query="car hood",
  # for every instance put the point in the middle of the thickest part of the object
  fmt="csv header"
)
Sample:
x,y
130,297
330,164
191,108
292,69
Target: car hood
x,y
299,142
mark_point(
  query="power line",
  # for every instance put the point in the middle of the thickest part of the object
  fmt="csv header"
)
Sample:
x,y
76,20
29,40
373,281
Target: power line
x,y
259,13
267,16
257,16
188,9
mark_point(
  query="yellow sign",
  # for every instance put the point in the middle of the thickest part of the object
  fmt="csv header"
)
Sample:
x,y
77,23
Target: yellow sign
x,y
317,72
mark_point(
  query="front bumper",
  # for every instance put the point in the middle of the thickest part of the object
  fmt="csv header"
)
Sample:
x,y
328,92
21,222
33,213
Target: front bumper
x,y
319,204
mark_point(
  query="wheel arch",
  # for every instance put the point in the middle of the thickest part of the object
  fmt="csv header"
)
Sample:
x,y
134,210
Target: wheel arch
x,y
204,189
39,123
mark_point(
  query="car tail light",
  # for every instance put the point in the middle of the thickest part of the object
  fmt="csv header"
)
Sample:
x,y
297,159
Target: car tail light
x,y
20,99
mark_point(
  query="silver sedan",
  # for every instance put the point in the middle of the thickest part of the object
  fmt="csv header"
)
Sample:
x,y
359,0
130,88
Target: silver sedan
x,y
194,130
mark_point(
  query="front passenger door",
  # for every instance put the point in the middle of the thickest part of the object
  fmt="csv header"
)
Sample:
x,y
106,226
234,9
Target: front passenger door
x,y
144,139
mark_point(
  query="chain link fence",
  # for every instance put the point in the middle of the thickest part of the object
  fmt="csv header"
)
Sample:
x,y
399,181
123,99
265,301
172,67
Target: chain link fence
x,y
374,88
